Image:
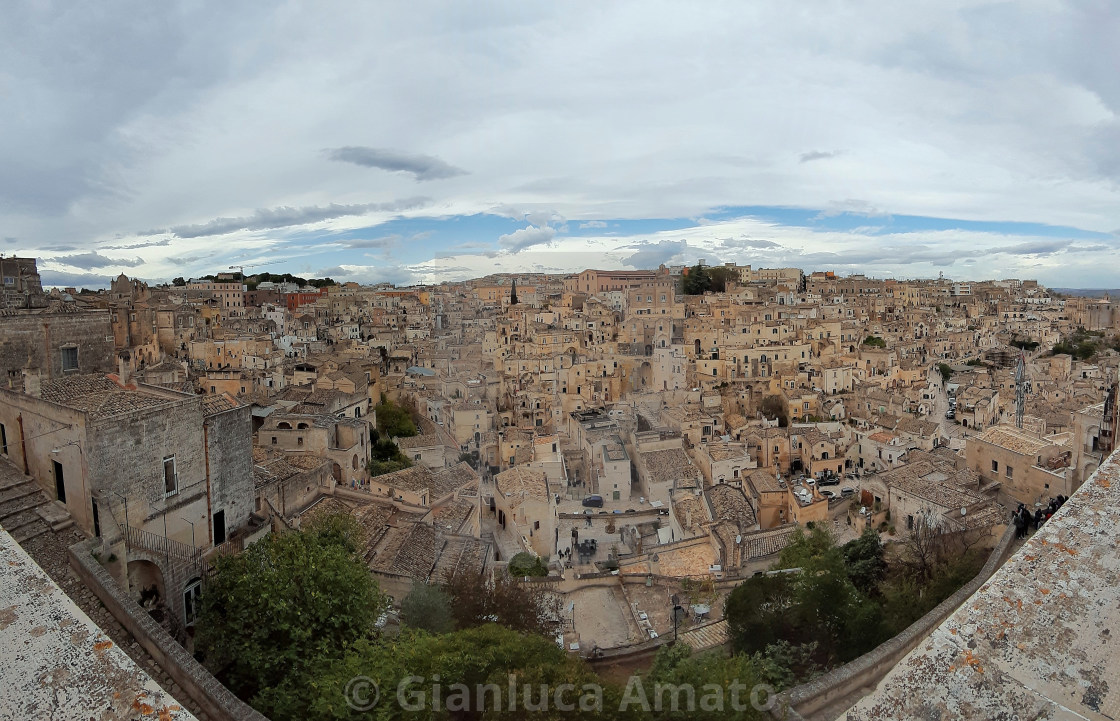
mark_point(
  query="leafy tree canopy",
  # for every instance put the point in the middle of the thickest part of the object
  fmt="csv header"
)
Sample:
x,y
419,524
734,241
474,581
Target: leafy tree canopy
x,y
394,421
527,564
427,608
287,602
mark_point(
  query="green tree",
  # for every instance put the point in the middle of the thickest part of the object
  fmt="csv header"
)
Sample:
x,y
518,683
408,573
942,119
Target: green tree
x,y
513,292
803,547
393,421
527,564
180,281
759,613
945,371
874,341
720,277
866,561
427,608
677,672
475,658
697,281
289,602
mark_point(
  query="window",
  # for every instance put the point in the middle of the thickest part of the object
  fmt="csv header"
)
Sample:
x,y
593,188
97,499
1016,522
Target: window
x,y
299,441
170,477
3,439
191,594
1009,470
910,523
69,359
995,466
274,440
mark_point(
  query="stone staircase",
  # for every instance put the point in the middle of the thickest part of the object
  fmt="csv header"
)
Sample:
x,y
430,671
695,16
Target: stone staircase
x,y
26,511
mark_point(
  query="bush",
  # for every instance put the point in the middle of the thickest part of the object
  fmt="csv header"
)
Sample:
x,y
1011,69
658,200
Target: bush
x,y
874,341
526,564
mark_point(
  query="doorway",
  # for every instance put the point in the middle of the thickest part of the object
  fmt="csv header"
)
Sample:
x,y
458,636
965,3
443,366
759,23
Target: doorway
x,y
59,482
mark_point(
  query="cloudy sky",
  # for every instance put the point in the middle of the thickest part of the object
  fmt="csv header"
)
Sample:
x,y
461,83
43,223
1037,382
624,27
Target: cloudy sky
x,y
420,142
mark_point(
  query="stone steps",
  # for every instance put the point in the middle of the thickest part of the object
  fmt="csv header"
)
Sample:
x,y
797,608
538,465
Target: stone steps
x,y
12,506
18,490
27,530
15,478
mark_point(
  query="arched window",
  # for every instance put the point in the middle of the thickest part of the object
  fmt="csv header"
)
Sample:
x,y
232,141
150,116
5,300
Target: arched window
x,y
284,426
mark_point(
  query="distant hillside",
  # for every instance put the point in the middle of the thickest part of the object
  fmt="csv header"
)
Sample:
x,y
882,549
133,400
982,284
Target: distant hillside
x,y
1089,292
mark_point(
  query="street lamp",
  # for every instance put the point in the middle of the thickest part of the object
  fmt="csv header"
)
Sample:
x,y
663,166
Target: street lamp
x,y
678,611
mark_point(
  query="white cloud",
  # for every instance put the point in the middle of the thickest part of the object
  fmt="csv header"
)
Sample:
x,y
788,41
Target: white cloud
x,y
967,110
527,237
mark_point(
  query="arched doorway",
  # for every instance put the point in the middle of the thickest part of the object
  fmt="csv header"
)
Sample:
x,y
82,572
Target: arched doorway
x,y
145,582
336,471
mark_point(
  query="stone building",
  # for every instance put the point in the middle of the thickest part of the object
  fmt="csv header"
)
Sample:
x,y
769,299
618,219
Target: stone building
x,y
161,475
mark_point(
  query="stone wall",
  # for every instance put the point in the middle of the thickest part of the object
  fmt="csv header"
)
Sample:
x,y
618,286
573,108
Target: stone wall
x,y
34,341
124,455
216,700
229,457
801,702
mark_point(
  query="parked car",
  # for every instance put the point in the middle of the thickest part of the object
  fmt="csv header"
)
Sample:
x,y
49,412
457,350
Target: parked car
x,y
847,491
830,481
593,501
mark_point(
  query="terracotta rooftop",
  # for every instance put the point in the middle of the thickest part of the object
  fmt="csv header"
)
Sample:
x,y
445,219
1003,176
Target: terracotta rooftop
x,y
100,397
1013,439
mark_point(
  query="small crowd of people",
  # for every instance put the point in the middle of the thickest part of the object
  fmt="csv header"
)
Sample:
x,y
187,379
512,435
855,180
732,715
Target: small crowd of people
x,y
1023,519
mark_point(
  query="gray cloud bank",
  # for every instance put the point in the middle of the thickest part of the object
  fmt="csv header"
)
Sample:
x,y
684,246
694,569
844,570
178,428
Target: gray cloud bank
x,y
421,167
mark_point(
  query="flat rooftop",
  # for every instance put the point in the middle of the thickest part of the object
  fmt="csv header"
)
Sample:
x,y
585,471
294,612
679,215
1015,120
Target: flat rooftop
x,y
57,663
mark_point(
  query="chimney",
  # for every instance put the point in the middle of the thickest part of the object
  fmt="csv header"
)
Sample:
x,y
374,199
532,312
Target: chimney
x,y
31,382
122,368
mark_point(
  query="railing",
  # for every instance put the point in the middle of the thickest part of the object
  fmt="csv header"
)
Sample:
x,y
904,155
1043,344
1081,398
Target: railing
x,y
139,538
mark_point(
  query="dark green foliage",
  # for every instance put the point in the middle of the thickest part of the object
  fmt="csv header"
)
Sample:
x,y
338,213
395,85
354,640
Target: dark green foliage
x,y
874,341
866,561
473,657
710,676
386,457
513,292
180,282
759,613
526,564
720,278
427,608
289,602
394,421
1024,343
843,601
701,279
1081,344
696,282
945,371
975,362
